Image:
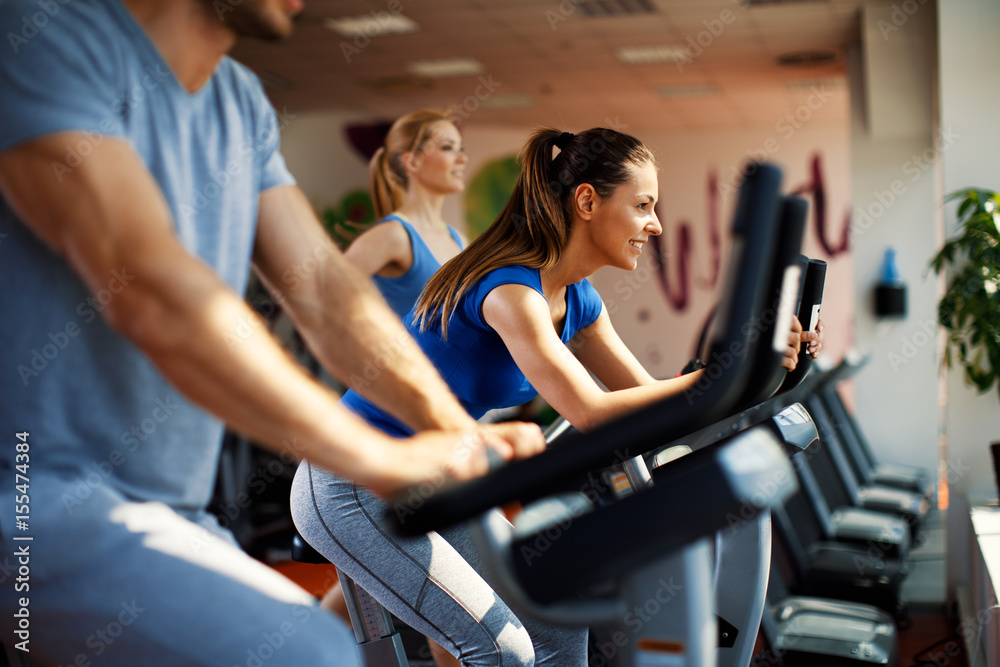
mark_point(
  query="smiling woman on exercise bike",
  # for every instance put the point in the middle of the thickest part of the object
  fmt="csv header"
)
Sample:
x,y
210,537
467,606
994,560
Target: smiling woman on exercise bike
x,y
510,317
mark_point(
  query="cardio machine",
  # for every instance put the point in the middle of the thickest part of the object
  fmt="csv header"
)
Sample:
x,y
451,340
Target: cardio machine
x,y
686,539
621,558
609,563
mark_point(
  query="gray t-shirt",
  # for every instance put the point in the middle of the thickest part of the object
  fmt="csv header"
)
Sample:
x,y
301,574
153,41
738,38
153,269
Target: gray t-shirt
x,y
96,410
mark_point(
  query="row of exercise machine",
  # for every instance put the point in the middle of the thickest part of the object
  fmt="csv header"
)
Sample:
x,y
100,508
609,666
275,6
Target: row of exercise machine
x,y
678,567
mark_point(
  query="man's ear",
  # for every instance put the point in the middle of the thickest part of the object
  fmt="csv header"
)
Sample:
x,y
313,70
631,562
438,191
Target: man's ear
x,y
585,200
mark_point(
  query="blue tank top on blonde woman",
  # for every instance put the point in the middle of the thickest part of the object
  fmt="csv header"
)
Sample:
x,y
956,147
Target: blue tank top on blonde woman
x,y
474,360
402,292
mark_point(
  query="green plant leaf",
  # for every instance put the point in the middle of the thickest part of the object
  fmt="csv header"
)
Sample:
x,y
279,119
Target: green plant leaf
x,y
969,310
967,204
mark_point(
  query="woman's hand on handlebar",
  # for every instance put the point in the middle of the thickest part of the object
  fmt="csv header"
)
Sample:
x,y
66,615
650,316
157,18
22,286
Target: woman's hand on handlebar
x,y
815,340
795,339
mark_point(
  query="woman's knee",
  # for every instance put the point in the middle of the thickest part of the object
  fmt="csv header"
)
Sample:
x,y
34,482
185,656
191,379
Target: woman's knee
x,y
515,647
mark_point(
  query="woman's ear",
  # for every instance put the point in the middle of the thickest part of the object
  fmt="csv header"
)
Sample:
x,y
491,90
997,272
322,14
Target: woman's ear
x,y
410,161
585,200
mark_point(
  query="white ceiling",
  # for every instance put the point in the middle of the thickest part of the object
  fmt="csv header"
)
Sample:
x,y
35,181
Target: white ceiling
x,y
562,62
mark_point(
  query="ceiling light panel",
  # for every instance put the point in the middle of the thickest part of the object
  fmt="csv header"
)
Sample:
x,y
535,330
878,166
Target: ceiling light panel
x,y
446,67
652,55
604,8
371,25
697,90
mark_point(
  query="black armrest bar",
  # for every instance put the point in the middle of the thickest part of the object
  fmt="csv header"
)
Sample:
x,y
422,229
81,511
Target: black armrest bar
x,y
775,319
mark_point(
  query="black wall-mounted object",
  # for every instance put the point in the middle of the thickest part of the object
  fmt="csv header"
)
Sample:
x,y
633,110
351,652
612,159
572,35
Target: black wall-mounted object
x,y
890,300
890,292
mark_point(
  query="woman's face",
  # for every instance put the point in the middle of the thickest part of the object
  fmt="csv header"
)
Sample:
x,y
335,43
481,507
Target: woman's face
x,y
439,164
623,222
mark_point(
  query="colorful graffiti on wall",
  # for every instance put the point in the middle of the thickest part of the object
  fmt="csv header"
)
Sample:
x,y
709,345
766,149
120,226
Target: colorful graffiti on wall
x,y
673,254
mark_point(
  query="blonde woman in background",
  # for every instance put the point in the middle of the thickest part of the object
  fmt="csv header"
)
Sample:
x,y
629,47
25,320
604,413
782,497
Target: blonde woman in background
x,y
421,161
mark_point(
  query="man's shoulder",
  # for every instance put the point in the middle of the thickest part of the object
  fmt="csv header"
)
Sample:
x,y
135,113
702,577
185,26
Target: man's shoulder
x,y
39,27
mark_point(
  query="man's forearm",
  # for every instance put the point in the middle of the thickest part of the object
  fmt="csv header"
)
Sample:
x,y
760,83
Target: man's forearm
x,y
362,342
210,345
343,319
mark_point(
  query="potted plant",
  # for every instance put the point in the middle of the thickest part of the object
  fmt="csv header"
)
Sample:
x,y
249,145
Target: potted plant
x,y
970,307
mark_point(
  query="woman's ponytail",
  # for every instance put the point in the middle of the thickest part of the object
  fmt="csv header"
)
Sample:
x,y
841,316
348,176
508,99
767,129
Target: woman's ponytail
x,y
387,193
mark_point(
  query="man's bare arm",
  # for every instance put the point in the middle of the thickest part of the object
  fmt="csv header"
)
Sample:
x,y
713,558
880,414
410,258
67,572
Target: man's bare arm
x,y
344,320
108,214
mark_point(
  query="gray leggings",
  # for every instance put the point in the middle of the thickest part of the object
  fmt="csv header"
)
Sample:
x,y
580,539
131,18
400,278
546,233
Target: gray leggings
x,y
434,583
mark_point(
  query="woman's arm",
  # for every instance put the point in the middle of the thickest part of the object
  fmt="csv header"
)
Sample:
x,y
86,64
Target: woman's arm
x,y
521,317
601,350
383,250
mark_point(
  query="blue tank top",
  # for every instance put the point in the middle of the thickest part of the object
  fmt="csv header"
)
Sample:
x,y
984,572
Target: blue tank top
x,y
474,360
402,292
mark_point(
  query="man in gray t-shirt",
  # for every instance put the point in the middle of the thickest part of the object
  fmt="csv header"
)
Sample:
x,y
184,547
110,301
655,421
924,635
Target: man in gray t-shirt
x,y
140,180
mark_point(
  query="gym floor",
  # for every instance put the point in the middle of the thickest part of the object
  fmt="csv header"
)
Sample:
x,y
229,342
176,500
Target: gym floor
x,y
930,635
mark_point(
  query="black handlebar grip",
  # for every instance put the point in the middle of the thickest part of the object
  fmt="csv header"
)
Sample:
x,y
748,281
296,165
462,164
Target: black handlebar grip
x,y
812,296
809,307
